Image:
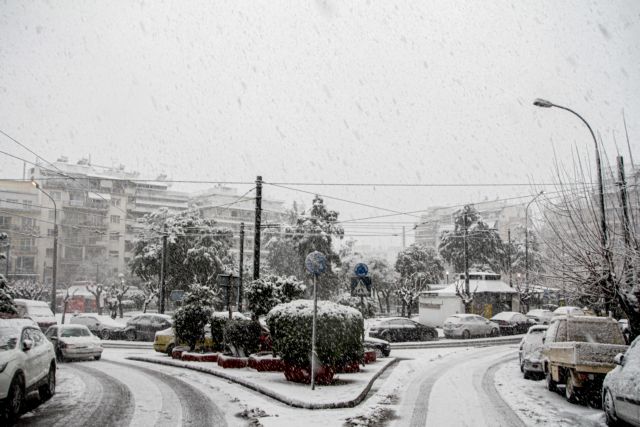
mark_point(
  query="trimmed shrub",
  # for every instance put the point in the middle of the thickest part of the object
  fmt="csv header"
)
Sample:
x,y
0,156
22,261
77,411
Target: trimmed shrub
x,y
267,292
242,336
192,317
218,321
338,335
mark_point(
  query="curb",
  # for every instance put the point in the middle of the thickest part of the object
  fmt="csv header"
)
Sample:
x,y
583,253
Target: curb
x,y
478,342
270,393
141,345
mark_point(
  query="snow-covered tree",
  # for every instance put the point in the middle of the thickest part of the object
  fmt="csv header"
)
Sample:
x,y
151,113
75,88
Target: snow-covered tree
x,y
484,246
7,307
27,289
194,314
267,292
116,294
97,290
197,250
418,266
367,306
151,292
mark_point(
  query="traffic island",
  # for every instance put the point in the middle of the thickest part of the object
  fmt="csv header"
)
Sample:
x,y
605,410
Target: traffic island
x,y
347,390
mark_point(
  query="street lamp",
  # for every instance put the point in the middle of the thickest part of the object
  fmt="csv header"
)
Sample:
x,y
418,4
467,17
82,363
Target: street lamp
x,y
603,224
55,245
526,238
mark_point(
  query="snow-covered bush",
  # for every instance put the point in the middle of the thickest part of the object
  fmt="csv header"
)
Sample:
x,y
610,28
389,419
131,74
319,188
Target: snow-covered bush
x,y
7,307
218,321
338,335
191,319
267,292
242,337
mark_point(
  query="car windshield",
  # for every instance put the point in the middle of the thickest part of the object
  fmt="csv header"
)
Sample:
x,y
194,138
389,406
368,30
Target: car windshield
x,y
595,332
8,338
74,332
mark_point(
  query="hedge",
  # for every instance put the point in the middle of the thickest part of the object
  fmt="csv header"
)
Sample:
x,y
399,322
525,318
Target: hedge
x,y
338,336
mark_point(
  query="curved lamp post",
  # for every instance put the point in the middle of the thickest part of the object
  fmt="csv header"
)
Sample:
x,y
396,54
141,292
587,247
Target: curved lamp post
x,y
526,238
55,245
603,223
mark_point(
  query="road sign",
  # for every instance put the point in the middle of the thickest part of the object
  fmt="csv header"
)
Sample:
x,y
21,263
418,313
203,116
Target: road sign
x,y
361,286
176,295
316,263
361,270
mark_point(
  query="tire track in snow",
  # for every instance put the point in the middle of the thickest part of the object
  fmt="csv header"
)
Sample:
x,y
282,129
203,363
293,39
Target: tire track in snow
x,y
197,408
493,396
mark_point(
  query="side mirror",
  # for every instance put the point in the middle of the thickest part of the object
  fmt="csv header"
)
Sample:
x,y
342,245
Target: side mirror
x,y
27,345
619,359
544,339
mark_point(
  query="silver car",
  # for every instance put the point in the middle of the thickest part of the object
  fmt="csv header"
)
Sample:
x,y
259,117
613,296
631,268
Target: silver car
x,y
103,326
621,388
469,325
74,342
529,353
540,316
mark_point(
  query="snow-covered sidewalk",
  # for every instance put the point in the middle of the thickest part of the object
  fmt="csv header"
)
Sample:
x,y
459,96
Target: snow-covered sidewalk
x,y
347,391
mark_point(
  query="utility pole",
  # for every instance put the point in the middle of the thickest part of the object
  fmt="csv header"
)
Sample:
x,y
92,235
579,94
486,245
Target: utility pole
x,y
240,267
7,266
163,268
622,183
509,257
97,272
403,238
256,238
466,255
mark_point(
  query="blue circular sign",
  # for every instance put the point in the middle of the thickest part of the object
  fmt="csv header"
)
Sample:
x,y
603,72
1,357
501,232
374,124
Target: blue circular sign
x,y
316,263
361,270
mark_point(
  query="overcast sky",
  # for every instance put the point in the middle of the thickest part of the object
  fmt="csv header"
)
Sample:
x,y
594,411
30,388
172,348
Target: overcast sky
x,y
322,91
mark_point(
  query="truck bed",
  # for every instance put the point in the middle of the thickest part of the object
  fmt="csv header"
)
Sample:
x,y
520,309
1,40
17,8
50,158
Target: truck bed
x,y
584,356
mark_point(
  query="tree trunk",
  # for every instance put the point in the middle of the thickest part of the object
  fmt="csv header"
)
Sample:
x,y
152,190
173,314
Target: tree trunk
x,y
120,308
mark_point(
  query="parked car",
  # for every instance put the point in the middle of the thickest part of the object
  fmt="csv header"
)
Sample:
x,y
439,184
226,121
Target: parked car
x,y
143,327
469,325
568,310
27,363
74,342
621,388
540,316
381,347
579,351
165,340
512,323
395,329
102,326
38,311
530,352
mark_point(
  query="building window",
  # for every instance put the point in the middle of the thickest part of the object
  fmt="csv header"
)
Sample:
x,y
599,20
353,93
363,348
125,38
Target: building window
x,y
49,253
115,202
113,254
27,223
5,221
12,202
50,232
25,264
27,204
56,195
26,244
114,236
115,219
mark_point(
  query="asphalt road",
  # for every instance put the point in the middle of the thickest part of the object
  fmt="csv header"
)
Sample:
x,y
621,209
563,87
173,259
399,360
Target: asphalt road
x,y
114,393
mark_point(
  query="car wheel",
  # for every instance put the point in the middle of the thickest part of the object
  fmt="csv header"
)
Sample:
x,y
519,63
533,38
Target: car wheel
x,y
466,334
170,348
97,357
551,384
526,374
49,389
379,353
609,409
15,398
131,335
522,366
570,391
105,334
59,357
495,332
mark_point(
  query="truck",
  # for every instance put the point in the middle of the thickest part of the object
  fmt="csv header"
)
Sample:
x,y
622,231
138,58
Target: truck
x,y
578,351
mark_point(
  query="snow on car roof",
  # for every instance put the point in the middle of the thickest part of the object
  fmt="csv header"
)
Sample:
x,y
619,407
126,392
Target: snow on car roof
x,y
506,315
17,323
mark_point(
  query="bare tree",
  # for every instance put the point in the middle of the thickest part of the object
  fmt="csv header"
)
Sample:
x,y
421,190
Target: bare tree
x,y
65,302
116,293
96,291
151,291
593,270
408,290
26,289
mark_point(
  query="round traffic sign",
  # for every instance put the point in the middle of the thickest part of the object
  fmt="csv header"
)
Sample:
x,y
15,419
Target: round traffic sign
x,y
361,269
316,263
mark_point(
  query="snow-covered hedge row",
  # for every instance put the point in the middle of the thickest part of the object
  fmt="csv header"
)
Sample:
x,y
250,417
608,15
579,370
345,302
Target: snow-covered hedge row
x,y
338,336
242,336
218,321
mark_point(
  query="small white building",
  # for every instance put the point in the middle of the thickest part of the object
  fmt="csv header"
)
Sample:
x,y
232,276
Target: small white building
x,y
491,296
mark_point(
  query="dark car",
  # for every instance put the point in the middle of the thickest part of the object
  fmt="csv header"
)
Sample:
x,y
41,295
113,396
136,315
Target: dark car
x,y
102,326
381,347
394,329
511,322
143,327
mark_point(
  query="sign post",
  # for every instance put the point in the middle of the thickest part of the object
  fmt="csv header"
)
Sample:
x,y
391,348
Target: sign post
x,y
316,264
361,286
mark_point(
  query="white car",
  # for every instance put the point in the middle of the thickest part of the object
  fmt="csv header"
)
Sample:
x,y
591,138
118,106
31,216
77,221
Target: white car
x,y
529,353
27,363
621,388
74,342
568,310
38,311
469,325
